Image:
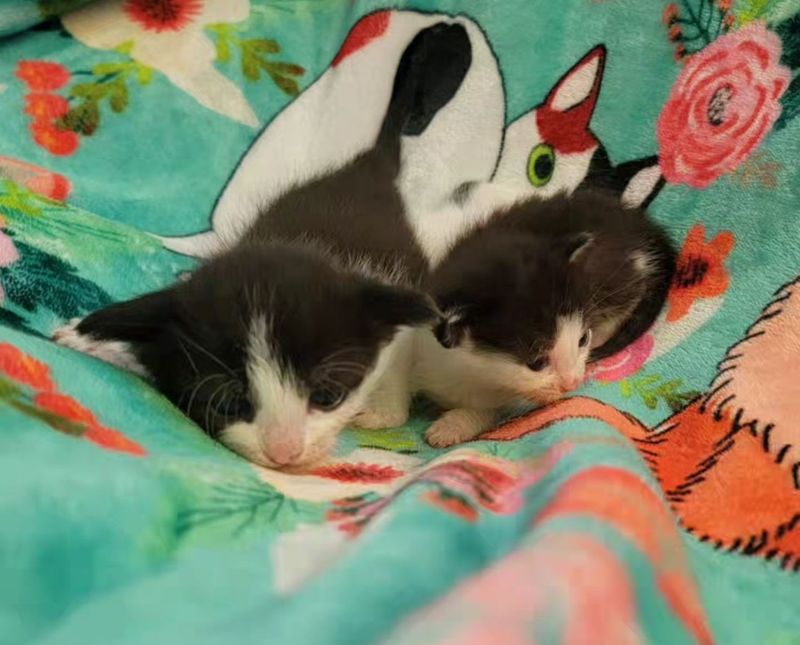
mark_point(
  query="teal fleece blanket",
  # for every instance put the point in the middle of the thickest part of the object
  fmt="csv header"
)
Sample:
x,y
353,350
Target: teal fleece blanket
x,y
661,504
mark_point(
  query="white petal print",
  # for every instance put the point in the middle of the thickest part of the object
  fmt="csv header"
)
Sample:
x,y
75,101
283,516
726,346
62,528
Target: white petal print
x,y
180,51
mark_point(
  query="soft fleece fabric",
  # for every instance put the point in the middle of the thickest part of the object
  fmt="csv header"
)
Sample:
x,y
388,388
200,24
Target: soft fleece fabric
x,y
660,504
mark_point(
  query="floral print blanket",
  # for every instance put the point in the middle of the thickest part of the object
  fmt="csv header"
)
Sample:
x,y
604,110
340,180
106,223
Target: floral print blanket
x,y
660,504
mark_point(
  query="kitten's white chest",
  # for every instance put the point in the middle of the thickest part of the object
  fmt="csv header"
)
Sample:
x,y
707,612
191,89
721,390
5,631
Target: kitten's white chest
x,y
457,377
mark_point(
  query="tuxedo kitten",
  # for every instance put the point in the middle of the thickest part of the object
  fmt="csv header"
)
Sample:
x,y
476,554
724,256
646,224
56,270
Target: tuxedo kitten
x,y
270,347
529,297
278,343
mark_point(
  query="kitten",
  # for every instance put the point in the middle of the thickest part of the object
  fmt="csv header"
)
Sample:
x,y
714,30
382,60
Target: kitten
x,y
276,344
529,297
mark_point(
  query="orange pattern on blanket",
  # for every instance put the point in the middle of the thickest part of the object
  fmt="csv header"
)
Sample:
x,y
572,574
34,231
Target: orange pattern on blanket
x,y
729,462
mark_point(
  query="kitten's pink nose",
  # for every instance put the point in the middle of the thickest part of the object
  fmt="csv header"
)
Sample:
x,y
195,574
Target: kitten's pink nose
x,y
570,383
283,447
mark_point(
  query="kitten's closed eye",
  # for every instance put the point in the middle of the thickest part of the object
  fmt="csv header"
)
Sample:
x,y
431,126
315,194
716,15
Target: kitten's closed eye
x,y
538,364
240,407
327,397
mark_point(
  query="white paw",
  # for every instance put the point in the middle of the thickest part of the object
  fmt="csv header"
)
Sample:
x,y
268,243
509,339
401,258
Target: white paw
x,y
380,419
443,435
115,352
454,427
68,336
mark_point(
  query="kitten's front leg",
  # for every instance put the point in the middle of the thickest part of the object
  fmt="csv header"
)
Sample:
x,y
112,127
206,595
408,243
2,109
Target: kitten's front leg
x,y
459,425
388,404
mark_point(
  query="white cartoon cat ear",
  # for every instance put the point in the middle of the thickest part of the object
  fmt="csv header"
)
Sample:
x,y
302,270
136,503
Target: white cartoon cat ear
x,y
637,182
581,84
643,186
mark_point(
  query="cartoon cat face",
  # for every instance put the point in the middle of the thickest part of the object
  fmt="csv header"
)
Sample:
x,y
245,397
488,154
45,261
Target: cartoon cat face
x,y
548,149
551,149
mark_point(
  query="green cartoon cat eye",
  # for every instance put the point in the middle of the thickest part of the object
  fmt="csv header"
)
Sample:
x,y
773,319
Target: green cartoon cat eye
x,y
541,164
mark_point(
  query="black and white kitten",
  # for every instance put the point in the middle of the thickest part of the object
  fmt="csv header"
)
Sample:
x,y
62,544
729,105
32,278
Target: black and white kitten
x,y
279,342
530,296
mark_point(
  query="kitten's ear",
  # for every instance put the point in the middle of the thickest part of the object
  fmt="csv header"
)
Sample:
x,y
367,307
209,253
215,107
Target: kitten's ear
x,y
451,329
137,320
397,306
577,246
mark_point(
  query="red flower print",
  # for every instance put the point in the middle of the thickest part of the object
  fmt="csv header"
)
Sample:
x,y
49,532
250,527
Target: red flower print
x,y
112,440
68,408
35,375
722,106
362,473
724,5
42,75
462,487
65,406
453,504
46,107
24,369
37,180
53,139
700,271
354,513
162,15
478,482
58,188
671,13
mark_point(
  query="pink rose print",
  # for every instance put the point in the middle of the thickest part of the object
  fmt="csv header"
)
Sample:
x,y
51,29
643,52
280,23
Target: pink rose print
x,y
722,106
625,363
8,255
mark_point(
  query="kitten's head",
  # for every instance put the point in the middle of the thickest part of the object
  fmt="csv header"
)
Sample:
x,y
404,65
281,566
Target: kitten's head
x,y
533,308
272,351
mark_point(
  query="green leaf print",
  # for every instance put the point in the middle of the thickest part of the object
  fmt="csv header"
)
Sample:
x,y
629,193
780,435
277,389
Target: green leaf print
x,y
693,24
253,54
396,440
12,321
109,84
751,10
790,102
240,506
39,279
652,389
15,198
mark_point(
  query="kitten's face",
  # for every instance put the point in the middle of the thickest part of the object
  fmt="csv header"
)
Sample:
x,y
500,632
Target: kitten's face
x,y
270,352
524,309
297,405
539,364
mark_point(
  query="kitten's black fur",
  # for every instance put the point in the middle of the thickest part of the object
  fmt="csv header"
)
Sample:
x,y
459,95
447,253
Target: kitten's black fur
x,y
331,265
186,334
357,212
508,279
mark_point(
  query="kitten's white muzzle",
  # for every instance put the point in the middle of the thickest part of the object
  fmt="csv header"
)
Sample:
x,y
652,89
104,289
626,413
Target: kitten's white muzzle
x,y
570,383
283,446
